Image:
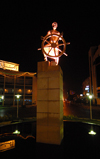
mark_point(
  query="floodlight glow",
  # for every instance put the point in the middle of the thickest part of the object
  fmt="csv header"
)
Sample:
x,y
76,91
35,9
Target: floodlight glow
x,y
16,132
2,97
87,94
92,132
18,96
81,95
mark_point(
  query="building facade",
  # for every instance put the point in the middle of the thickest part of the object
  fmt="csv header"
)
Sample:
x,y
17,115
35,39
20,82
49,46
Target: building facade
x,y
85,86
13,82
94,73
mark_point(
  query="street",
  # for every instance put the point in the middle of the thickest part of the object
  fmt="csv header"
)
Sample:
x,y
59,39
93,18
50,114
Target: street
x,y
79,110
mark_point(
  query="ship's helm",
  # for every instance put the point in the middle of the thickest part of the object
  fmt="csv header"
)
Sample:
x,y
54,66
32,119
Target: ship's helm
x,y
53,44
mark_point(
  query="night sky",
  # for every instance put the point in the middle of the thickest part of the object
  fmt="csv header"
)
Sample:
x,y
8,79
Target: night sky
x,y
23,24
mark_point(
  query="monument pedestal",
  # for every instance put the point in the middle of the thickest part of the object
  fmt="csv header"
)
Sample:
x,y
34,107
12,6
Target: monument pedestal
x,y
49,104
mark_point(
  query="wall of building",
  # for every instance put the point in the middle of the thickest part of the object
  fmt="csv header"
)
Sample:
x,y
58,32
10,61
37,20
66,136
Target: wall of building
x,y
13,85
94,72
85,86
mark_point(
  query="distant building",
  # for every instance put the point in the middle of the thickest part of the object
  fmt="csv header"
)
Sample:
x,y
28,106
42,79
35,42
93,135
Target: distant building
x,y
71,92
94,73
13,82
86,86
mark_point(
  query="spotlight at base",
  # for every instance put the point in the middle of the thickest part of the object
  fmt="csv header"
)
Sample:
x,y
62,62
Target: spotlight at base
x,y
92,132
16,132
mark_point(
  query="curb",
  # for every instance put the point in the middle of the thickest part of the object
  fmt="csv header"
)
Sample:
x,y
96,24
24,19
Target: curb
x,y
34,119
16,122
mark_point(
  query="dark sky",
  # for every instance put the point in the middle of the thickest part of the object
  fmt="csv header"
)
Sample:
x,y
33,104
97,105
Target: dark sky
x,y
23,24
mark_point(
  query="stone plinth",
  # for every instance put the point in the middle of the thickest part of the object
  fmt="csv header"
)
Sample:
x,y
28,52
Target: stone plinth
x,y
49,104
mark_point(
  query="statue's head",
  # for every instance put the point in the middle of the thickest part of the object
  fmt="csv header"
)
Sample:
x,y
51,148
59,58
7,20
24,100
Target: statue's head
x,y
54,25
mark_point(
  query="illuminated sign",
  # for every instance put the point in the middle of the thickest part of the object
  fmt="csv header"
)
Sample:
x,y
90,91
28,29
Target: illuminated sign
x,y
9,65
87,88
4,146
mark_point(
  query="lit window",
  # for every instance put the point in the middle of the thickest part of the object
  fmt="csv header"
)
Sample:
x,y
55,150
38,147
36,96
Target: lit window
x,y
29,91
20,90
6,90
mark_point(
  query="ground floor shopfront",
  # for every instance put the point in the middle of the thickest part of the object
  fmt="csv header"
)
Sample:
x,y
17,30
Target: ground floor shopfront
x,y
14,83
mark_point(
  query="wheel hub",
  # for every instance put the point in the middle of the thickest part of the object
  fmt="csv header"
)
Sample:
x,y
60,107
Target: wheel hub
x,y
53,45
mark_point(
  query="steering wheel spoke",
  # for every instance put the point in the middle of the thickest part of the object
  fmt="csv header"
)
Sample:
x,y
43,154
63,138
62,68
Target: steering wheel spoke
x,y
59,49
60,45
47,46
49,50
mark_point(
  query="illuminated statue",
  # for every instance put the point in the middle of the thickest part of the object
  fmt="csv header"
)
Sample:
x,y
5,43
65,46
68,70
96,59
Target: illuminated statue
x,y
53,44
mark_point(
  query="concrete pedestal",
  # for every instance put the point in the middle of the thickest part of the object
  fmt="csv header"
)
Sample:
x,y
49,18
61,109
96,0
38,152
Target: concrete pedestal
x,y
49,104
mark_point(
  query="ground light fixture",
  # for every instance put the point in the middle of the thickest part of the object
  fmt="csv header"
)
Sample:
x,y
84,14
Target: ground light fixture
x,y
91,132
16,132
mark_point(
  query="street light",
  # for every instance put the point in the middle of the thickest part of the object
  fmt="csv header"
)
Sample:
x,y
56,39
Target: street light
x,y
17,96
2,99
91,131
87,94
90,97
